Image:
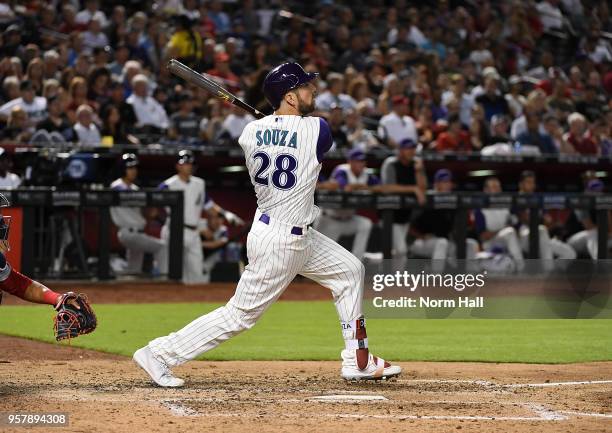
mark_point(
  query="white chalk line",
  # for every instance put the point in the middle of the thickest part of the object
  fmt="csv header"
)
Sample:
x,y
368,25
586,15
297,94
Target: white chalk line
x,y
595,415
548,384
486,383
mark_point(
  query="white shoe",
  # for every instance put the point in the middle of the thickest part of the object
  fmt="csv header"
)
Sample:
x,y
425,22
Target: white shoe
x,y
377,368
159,372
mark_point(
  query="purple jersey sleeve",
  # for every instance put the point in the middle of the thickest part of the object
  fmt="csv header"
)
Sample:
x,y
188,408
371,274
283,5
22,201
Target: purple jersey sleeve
x,y
373,180
340,176
325,140
162,185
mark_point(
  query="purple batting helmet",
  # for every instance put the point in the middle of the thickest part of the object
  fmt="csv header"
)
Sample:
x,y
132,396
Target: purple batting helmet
x,y
284,78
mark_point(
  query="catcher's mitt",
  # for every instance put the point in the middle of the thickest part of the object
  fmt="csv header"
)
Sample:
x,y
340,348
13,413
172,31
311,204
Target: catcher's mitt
x,y
74,316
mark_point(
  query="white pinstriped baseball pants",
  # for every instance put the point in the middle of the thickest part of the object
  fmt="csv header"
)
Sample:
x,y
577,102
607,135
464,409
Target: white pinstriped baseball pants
x,y
275,258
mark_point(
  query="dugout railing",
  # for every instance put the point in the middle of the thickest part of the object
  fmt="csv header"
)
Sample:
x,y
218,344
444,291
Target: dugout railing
x,y
64,201
464,202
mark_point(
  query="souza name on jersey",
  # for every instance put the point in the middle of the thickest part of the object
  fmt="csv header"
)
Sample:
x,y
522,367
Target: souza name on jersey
x,y
276,137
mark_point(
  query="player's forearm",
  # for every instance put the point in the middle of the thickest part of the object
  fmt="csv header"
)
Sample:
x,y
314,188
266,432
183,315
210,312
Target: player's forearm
x,y
40,294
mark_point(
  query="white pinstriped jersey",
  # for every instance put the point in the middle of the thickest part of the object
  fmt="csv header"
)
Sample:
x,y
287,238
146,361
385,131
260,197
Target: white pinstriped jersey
x,y
282,157
194,195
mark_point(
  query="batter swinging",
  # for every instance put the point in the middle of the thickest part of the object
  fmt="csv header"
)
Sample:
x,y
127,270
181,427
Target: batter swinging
x,y
283,154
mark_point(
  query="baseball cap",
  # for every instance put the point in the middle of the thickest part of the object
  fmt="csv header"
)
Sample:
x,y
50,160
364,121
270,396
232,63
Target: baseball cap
x,y
185,157
356,155
129,160
407,143
443,174
595,185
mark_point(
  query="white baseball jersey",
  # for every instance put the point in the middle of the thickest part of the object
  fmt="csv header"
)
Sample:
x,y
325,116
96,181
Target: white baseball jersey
x,y
194,196
283,155
345,176
124,216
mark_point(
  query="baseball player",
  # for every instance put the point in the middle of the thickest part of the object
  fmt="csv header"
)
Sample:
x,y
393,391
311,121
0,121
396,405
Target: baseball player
x,y
494,229
403,173
75,316
352,176
549,247
283,154
131,222
433,229
214,237
195,200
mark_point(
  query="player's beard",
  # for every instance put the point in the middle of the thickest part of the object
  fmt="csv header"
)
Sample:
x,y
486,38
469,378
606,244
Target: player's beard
x,y
303,108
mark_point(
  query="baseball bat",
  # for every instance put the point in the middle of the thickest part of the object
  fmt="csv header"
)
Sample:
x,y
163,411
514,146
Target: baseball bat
x,y
191,76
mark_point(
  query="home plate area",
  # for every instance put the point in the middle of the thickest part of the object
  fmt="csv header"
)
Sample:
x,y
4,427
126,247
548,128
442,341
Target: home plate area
x,y
111,395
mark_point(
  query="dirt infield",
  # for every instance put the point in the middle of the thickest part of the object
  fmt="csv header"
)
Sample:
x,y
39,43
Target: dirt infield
x,y
106,393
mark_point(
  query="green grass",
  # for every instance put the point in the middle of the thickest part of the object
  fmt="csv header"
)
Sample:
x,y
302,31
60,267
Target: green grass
x,y
310,331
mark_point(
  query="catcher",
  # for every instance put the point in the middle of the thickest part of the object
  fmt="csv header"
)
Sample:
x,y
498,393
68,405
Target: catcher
x,y
74,314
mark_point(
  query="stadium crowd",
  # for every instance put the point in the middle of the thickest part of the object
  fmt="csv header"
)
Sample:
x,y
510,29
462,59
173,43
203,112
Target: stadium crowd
x,y
520,76
463,76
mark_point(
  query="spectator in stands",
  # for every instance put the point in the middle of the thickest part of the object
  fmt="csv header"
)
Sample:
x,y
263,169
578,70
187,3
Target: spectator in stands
x,y
336,127
34,106
10,88
150,115
600,134
397,125
334,95
500,130
352,176
356,133
18,129
533,138
34,74
8,180
434,228
121,56
86,131
55,129
536,104
94,37
549,248
493,227
552,127
185,124
478,128
492,101
91,11
578,136
78,96
458,93
235,122
222,71
403,173
114,128
455,138
185,43
591,106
